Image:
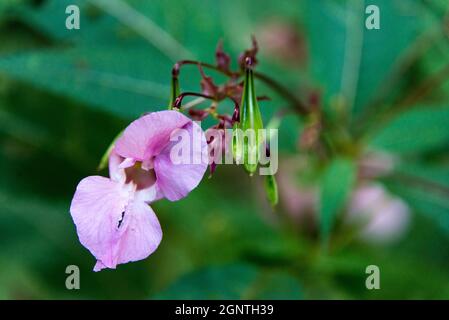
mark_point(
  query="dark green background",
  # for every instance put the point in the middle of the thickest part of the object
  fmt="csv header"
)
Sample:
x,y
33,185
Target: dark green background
x,y
65,94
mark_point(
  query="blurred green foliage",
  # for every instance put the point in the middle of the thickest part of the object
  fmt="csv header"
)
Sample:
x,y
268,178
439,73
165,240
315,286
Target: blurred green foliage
x,y
336,185
65,94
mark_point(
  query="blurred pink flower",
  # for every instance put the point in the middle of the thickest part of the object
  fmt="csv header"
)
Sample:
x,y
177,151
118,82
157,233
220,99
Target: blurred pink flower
x,y
379,216
283,41
112,216
382,217
299,201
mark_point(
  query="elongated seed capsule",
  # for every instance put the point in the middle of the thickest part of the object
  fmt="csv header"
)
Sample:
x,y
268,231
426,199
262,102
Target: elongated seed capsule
x,y
250,122
271,189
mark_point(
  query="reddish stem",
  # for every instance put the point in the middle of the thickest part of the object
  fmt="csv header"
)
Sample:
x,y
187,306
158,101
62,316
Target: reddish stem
x,y
178,100
297,104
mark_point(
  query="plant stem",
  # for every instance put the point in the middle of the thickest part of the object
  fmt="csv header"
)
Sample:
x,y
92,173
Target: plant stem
x,y
178,100
425,184
193,103
143,26
427,86
296,103
378,105
433,82
179,64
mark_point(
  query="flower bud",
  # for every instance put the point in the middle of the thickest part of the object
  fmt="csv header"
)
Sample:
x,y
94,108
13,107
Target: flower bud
x,y
271,189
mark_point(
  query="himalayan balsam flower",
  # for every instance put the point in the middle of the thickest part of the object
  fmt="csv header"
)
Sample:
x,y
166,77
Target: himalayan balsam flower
x,y
112,216
384,217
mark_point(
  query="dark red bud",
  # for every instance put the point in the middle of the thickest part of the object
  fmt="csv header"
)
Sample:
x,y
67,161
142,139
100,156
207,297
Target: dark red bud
x,y
198,115
223,60
244,62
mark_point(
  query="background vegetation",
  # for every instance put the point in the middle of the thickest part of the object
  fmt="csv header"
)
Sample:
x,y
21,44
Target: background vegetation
x,y
65,94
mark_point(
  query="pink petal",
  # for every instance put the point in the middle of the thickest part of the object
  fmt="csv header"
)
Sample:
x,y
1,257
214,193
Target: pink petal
x,y
96,209
115,171
142,233
99,266
146,136
174,180
150,194
114,227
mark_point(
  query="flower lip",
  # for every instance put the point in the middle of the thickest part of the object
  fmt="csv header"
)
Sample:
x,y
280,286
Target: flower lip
x,y
148,142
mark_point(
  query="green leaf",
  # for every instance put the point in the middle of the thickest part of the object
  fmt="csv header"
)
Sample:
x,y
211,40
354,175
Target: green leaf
x,y
22,128
17,281
123,81
175,28
237,232
425,187
436,174
239,281
102,23
145,27
335,187
49,19
349,60
420,129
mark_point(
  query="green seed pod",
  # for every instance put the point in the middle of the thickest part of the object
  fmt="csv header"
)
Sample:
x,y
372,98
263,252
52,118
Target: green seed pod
x,y
250,119
271,189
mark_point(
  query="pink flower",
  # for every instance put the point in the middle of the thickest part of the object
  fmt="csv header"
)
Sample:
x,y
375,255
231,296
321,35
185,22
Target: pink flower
x,y
112,216
383,218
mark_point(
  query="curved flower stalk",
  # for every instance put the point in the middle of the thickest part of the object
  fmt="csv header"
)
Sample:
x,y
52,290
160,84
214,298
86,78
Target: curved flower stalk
x,y
112,215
